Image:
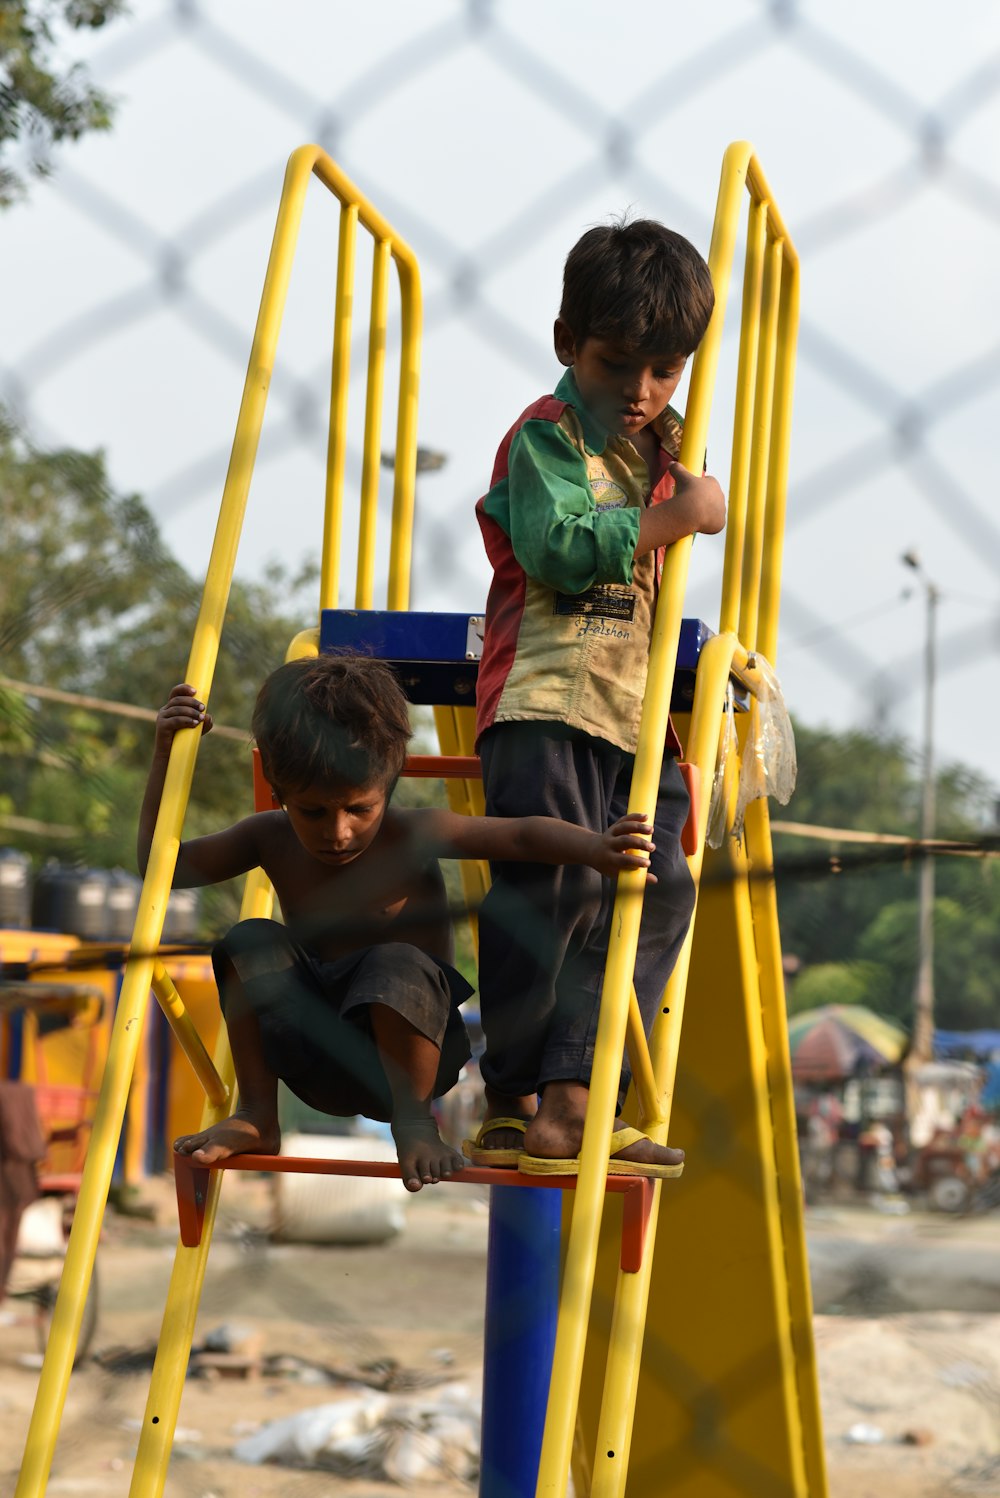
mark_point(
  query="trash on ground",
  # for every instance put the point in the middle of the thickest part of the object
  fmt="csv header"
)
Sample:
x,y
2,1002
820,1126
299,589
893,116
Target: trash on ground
x,y
402,1439
864,1435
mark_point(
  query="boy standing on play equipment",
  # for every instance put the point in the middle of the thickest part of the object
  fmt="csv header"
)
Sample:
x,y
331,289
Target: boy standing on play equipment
x,y
353,1002
586,493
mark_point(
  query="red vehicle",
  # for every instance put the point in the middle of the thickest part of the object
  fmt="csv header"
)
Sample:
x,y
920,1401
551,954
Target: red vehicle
x,y
960,1170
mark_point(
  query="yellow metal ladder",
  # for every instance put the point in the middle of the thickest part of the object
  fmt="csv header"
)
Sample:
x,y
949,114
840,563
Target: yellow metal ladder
x,y
740,1416
670,1419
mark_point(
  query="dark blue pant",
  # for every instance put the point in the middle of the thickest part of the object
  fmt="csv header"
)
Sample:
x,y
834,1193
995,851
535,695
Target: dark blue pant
x,y
543,929
315,1021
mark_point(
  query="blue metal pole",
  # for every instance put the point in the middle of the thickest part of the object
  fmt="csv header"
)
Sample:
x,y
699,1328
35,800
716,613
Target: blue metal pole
x,y
522,1297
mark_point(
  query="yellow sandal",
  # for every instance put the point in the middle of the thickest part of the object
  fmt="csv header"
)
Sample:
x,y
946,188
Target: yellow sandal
x,y
475,1151
536,1165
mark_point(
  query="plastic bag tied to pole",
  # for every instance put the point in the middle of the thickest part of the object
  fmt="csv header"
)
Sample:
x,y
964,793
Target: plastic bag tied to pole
x,y
723,770
768,766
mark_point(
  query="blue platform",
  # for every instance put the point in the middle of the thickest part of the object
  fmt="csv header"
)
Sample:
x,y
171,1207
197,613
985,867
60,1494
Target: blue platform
x,y
437,655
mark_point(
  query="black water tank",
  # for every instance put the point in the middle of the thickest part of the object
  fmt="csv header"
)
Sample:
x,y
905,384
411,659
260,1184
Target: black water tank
x,y
71,899
124,890
15,890
181,922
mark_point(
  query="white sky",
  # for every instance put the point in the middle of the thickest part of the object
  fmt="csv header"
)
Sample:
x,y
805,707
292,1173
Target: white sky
x,y
487,145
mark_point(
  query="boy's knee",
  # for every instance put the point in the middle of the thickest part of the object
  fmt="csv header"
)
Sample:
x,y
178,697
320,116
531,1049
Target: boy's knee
x,y
255,949
251,936
398,962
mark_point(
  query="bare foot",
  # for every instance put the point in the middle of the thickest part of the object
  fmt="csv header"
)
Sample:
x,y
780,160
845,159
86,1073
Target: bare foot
x,y
424,1158
241,1134
556,1131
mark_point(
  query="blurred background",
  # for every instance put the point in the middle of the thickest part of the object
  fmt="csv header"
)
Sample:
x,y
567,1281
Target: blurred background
x,y
142,150
492,135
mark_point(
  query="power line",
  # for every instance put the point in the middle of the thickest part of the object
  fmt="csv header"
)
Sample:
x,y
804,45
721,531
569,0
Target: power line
x,y
104,705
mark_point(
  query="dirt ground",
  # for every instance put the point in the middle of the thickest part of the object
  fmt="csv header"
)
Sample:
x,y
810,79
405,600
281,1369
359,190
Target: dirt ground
x,y
907,1331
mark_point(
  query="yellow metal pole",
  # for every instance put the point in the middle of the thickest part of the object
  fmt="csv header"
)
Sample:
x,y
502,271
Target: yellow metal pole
x,y
621,1379
305,643
578,1276
614,1427
180,1311
336,455
365,590
404,482
359,210
646,1090
802,1372
54,1377
169,1370
739,471
765,916
795,1433
763,401
188,1038
781,432
717,657
610,1462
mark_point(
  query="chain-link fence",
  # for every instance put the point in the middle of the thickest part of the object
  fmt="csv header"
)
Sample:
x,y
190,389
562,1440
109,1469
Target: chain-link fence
x,y
491,135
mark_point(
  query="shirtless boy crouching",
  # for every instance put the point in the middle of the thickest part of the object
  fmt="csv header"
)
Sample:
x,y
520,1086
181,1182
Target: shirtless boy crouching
x,y
353,1001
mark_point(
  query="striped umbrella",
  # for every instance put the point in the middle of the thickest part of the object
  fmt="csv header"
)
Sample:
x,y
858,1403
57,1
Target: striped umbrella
x,y
842,1040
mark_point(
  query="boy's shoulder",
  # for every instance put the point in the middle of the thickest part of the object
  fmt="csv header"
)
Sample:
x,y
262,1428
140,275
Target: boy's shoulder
x,y
553,409
409,824
273,831
546,408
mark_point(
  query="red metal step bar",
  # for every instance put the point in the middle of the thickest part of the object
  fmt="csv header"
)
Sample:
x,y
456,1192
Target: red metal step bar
x,y
191,1181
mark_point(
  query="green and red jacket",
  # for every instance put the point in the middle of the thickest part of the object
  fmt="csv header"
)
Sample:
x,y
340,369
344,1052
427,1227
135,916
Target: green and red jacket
x,y
570,611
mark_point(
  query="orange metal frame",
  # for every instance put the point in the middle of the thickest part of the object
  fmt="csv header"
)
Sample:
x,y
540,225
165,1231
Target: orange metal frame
x,y
192,1190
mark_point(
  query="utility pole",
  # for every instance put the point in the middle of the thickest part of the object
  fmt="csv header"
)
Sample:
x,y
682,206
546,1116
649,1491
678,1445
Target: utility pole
x,y
922,1042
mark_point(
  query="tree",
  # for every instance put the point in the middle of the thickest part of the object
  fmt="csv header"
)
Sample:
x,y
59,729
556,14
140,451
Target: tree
x,y
92,601
76,558
839,983
855,932
851,780
40,104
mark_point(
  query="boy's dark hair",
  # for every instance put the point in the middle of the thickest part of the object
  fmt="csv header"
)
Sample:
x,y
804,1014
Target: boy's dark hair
x,y
332,719
639,284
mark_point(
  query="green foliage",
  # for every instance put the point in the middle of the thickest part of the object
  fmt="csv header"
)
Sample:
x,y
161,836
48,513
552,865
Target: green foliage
x,y
966,955
855,932
42,104
92,602
839,983
76,558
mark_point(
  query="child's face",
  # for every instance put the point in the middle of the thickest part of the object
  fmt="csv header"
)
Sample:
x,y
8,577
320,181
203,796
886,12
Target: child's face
x,y
336,822
624,388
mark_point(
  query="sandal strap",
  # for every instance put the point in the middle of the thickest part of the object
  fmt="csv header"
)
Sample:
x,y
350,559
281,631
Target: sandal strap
x,y
493,1125
622,1138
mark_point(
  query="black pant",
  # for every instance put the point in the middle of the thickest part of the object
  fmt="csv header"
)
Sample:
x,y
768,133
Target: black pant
x,y
543,929
315,1017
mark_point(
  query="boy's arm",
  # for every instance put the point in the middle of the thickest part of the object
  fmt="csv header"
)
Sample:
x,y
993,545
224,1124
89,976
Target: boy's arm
x,y
202,860
558,536
697,506
562,540
447,834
